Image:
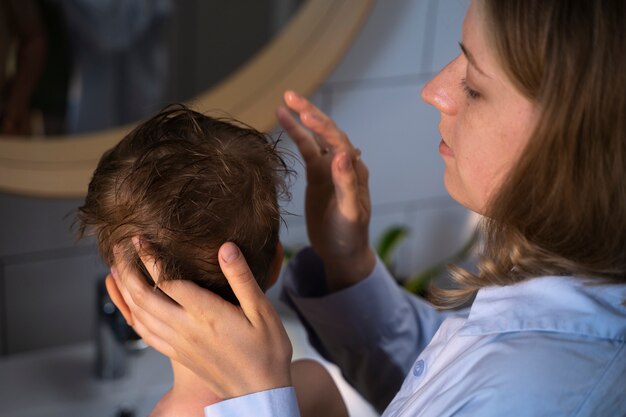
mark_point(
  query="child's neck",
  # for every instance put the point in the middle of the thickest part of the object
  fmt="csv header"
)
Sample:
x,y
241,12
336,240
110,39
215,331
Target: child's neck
x,y
188,396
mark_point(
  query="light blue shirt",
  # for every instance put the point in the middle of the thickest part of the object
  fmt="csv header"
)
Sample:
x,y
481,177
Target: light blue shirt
x,y
550,346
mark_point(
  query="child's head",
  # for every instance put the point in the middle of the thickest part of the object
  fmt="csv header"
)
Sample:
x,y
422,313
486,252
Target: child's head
x,y
185,183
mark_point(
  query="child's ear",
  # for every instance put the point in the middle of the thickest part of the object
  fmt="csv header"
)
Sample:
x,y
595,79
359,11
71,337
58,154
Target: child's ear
x,y
276,266
118,300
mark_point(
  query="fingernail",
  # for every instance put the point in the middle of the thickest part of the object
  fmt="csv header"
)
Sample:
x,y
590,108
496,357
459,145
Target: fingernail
x,y
230,252
291,96
311,116
345,163
295,95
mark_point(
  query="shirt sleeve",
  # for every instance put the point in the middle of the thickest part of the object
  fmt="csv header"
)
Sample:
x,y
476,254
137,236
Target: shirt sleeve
x,y
278,402
373,330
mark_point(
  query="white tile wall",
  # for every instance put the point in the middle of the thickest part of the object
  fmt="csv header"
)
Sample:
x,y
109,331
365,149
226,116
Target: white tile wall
x,y
398,136
390,45
449,21
436,234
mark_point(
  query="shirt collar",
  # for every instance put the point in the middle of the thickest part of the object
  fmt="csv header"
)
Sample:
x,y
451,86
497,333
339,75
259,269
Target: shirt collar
x,y
554,304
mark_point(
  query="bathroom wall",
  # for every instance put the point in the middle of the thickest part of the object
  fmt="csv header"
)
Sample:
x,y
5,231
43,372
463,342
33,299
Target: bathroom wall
x,y
47,279
374,97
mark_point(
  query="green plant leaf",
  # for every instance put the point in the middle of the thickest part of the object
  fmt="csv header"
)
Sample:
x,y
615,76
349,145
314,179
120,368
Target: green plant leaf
x,y
289,252
419,282
389,241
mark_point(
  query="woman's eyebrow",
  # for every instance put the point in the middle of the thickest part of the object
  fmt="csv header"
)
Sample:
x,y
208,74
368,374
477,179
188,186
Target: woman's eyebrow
x,y
471,59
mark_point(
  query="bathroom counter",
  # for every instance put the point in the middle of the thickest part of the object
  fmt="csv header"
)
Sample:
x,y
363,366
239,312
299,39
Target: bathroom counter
x,y
61,382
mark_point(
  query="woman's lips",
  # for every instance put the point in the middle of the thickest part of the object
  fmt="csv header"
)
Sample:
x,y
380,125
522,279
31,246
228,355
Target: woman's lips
x,y
445,150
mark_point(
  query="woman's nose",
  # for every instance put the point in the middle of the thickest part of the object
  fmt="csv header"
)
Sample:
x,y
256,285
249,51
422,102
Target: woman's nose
x,y
439,91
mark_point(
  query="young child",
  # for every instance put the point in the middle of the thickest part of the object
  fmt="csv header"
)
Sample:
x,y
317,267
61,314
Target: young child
x,y
185,183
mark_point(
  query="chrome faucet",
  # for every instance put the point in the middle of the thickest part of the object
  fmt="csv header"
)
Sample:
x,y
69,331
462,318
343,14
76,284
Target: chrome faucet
x,y
115,340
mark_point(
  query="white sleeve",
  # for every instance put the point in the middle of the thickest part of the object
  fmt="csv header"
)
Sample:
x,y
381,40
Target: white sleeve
x,y
278,402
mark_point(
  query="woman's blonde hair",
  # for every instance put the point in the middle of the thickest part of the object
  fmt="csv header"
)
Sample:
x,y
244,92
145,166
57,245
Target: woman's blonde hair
x,y
562,208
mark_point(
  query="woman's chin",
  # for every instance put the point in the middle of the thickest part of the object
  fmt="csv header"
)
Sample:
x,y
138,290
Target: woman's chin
x,y
458,193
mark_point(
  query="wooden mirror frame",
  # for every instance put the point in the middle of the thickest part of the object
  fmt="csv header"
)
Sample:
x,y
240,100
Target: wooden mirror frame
x,y
300,57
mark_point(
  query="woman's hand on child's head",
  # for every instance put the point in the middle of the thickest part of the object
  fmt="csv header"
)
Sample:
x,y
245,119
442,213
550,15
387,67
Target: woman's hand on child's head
x,y
338,207
237,350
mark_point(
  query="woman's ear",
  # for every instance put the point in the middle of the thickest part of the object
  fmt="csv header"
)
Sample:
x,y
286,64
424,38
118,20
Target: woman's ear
x,y
276,266
118,300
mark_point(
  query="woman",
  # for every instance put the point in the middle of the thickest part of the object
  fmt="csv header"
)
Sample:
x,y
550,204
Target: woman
x,y
533,137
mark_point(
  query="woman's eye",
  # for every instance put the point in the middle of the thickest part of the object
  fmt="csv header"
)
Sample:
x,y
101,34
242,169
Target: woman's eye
x,y
471,94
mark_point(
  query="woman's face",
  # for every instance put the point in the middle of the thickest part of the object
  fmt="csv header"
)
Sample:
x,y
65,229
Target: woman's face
x,y
485,122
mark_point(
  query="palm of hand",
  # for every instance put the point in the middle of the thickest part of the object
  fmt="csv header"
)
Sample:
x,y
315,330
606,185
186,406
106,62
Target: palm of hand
x,y
334,233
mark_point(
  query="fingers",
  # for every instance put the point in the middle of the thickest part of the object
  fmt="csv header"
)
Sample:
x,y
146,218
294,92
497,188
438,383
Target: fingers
x,y
143,301
155,341
346,187
186,293
319,123
241,280
152,266
192,297
305,142
145,323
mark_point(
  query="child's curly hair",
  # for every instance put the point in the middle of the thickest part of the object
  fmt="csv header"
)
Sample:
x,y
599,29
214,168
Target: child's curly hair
x,y
185,183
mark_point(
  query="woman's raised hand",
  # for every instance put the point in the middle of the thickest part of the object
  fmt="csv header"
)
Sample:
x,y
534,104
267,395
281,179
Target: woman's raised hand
x,y
237,350
338,207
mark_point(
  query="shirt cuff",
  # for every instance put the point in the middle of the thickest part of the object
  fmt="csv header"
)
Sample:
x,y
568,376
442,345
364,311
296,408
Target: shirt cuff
x,y
375,299
278,402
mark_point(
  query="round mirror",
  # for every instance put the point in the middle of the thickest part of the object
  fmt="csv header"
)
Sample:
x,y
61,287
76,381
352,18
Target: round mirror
x,y
300,56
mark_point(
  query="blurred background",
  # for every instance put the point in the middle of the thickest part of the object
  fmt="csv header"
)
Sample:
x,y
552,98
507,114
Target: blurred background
x,y
76,66
50,311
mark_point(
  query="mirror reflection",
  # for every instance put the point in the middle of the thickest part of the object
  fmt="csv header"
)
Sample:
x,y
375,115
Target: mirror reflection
x,y
77,66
